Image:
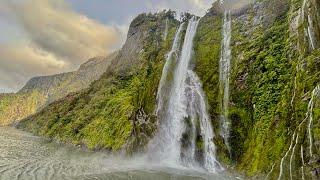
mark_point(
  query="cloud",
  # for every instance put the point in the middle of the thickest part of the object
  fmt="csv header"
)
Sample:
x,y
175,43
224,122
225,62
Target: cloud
x,y
56,39
54,27
19,62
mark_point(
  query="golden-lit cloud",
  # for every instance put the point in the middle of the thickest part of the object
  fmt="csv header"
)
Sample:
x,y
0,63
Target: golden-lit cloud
x,y
21,61
56,39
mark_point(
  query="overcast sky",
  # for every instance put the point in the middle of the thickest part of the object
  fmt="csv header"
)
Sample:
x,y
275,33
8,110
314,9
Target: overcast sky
x,y
44,37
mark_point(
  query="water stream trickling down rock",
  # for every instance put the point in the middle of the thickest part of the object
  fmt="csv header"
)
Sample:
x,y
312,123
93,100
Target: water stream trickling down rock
x,y
225,78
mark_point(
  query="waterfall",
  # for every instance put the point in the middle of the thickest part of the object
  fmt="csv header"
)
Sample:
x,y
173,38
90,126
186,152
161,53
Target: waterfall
x,y
315,93
166,30
224,69
172,56
311,32
302,161
295,137
197,110
181,107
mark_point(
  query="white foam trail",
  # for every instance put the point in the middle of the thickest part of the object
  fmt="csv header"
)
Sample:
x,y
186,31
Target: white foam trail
x,y
224,69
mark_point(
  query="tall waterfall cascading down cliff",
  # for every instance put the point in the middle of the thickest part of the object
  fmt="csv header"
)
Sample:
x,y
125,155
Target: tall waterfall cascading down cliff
x,y
224,73
181,106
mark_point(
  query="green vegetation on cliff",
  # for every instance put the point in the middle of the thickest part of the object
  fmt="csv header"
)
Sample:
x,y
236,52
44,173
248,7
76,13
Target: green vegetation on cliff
x,y
14,107
118,108
41,91
274,71
207,49
271,86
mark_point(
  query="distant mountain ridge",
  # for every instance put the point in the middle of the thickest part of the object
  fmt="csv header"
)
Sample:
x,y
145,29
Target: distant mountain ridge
x,y
42,90
273,106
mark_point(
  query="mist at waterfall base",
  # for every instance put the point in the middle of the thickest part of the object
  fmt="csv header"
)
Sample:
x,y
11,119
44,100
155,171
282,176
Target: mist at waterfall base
x,y
182,111
27,157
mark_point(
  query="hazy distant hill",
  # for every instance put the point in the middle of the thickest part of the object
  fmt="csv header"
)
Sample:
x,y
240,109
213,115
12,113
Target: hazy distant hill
x,y
40,91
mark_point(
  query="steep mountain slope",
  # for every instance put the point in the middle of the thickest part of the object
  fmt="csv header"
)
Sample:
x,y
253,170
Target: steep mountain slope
x,y
274,70
116,112
274,73
40,91
273,107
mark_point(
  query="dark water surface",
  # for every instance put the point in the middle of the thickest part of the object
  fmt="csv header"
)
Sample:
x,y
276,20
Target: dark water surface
x,y
27,157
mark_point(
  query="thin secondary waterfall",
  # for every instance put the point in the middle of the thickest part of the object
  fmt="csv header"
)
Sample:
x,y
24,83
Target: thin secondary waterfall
x,y
315,93
197,111
295,138
311,32
166,30
181,107
224,69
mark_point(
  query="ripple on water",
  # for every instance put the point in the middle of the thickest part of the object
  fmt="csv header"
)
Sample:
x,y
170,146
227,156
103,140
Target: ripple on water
x,y
27,157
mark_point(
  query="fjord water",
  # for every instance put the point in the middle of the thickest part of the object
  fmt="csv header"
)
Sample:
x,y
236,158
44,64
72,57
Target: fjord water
x,y
27,157
181,107
173,154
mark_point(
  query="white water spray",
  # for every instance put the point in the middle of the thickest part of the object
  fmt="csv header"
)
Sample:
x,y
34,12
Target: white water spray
x,y
225,77
197,109
172,56
181,100
171,110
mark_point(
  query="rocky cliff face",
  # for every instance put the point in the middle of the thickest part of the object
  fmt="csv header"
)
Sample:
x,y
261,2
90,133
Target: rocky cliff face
x,y
116,112
273,75
41,91
274,105
273,79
